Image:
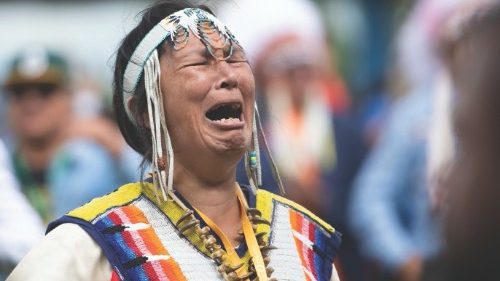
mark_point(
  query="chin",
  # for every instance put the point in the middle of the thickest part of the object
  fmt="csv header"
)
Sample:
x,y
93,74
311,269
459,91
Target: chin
x,y
232,146
236,144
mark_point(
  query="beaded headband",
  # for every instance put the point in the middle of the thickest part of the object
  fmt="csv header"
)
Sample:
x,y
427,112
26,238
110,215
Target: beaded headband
x,y
175,28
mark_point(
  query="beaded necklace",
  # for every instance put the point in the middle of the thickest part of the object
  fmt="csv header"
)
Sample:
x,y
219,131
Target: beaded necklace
x,y
228,262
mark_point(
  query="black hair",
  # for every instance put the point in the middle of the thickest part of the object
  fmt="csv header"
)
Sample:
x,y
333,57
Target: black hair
x,y
137,135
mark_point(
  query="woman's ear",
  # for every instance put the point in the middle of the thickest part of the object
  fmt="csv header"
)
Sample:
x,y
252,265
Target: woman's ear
x,y
141,118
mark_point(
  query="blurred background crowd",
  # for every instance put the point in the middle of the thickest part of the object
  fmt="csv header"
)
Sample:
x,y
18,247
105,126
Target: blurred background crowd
x,y
382,117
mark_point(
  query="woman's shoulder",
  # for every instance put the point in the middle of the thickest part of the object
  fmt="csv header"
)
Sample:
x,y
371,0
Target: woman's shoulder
x,y
268,203
66,251
97,206
289,222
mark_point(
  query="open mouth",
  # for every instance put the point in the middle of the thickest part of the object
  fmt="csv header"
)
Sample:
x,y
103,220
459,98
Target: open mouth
x,y
225,113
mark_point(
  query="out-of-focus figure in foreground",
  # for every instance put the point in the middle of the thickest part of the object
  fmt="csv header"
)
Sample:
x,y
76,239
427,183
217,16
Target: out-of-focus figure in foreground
x,y
390,209
60,161
471,214
20,225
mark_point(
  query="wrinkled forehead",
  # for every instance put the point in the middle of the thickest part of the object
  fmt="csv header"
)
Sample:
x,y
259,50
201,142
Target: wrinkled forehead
x,y
191,26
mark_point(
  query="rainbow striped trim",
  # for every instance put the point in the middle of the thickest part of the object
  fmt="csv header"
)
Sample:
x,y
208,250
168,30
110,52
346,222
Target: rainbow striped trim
x,y
316,242
142,254
312,247
135,230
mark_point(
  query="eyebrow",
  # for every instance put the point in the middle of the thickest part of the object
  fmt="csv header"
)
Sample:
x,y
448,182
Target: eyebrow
x,y
238,49
202,51
205,53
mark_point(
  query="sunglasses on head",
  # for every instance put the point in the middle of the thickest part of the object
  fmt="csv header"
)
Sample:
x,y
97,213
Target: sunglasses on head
x,y
42,90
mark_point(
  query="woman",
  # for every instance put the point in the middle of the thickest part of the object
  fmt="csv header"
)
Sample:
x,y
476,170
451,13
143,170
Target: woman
x,y
183,88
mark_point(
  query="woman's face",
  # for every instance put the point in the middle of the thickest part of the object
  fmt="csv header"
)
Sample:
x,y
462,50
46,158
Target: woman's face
x,y
209,102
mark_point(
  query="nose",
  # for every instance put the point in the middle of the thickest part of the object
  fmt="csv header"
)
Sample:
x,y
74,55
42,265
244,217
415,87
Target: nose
x,y
228,77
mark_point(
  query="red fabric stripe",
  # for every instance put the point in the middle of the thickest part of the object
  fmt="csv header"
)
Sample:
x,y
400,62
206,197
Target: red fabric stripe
x,y
297,224
129,214
115,276
115,218
151,272
310,252
127,237
145,239
305,250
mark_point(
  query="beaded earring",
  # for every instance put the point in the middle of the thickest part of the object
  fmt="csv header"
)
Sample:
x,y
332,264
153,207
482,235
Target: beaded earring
x,y
253,158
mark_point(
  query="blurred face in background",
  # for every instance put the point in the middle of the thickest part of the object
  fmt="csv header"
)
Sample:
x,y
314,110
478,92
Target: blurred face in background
x,y
37,112
288,66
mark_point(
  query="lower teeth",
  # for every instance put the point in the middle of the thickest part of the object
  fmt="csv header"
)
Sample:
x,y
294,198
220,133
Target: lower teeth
x,y
224,120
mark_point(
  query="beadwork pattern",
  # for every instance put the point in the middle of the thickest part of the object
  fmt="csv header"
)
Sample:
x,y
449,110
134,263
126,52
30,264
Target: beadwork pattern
x,y
140,238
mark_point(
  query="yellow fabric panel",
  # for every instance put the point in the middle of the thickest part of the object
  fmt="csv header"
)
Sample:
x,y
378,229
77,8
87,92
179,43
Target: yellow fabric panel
x,y
97,206
174,213
265,205
132,191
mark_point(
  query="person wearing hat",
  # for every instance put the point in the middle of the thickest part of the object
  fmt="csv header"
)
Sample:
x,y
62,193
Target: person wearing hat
x,y
56,159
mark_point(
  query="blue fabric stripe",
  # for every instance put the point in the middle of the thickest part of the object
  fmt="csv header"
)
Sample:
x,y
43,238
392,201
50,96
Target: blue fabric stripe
x,y
117,240
98,237
113,246
323,267
125,253
138,273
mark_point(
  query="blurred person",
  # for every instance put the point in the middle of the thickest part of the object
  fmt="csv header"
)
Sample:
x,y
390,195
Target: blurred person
x,y
441,144
317,144
20,225
471,49
301,92
184,94
313,137
388,209
59,160
298,119
391,212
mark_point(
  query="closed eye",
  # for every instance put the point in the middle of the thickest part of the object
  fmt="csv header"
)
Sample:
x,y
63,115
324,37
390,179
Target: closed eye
x,y
197,63
238,56
237,61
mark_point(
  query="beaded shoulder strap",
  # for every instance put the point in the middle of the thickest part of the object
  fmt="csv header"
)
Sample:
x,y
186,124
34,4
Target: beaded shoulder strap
x,y
299,237
122,196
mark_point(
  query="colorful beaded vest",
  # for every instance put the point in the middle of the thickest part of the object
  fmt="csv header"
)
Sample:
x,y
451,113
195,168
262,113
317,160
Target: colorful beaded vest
x,y
138,235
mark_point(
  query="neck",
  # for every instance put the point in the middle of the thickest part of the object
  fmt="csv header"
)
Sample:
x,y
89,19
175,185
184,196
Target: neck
x,y
216,199
38,153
